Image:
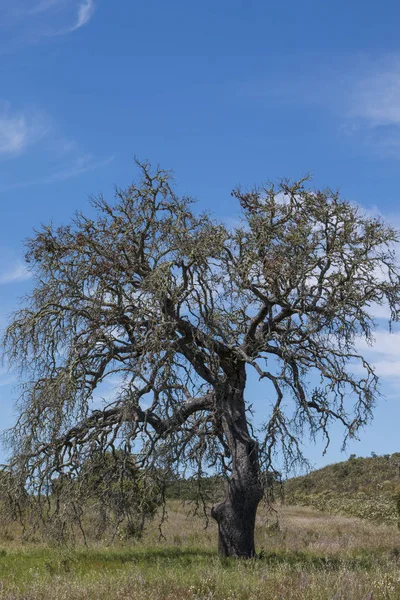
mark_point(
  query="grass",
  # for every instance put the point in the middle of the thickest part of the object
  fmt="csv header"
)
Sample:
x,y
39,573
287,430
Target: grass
x,y
304,555
368,488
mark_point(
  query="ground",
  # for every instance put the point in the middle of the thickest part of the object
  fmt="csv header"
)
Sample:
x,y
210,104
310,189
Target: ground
x,y
304,555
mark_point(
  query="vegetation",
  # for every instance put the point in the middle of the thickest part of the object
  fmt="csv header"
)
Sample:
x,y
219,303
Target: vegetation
x,y
191,489
108,496
174,308
362,487
304,555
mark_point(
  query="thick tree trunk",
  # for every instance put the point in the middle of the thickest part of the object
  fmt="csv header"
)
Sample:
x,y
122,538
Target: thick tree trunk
x,y
237,513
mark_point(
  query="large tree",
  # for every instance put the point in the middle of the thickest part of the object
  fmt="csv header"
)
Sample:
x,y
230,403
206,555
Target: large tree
x,y
176,310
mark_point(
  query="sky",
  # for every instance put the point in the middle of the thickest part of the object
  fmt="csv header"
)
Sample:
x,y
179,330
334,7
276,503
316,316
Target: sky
x,y
225,93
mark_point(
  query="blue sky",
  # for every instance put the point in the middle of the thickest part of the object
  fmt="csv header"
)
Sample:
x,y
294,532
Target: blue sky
x,y
223,92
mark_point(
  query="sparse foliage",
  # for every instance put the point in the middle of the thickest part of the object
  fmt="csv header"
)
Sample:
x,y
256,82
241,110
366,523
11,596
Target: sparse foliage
x,y
175,309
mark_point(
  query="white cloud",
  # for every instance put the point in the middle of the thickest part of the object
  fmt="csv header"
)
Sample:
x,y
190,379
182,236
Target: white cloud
x,y
19,130
371,101
376,96
363,93
85,13
379,311
26,22
383,354
13,134
387,369
62,157
15,274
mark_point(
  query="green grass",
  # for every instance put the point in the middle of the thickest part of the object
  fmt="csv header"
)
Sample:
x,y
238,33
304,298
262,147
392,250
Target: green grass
x,y
187,573
304,555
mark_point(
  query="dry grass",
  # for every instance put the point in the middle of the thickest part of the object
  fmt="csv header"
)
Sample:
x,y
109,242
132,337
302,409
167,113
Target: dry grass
x,y
368,488
305,555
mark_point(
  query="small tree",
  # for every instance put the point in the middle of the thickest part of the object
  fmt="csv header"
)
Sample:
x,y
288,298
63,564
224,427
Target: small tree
x,y
180,308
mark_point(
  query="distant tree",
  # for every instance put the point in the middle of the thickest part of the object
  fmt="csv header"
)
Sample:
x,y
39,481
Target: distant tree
x,y
180,308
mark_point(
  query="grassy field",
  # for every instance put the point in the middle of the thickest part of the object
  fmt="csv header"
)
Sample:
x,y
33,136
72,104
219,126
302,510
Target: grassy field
x,y
368,488
304,555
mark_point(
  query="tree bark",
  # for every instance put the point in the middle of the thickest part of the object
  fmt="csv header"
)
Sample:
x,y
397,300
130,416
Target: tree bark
x,y
236,515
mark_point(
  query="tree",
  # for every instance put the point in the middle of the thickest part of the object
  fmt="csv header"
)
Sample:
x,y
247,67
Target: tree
x,y
181,308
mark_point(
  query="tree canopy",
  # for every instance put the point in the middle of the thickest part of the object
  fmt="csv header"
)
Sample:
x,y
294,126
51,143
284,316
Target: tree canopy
x,y
176,309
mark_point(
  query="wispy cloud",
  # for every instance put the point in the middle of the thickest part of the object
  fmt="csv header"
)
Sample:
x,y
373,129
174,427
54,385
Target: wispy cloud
x,y
383,353
24,22
76,167
366,98
362,94
19,130
14,274
375,96
373,102
44,6
85,13
61,158
81,165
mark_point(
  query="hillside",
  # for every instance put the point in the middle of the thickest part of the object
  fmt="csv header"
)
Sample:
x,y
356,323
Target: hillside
x,y
368,488
362,487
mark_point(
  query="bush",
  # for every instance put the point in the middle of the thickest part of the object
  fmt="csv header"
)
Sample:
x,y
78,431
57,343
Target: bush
x,y
108,497
361,487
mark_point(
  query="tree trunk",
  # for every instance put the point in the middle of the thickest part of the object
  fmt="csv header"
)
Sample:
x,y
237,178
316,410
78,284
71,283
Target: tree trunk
x,y
236,515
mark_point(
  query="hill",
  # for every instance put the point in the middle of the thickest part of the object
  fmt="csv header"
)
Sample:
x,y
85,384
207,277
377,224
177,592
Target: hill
x,y
368,488
361,487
